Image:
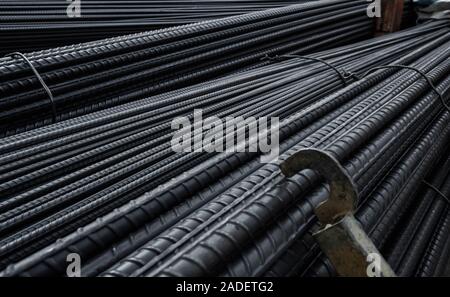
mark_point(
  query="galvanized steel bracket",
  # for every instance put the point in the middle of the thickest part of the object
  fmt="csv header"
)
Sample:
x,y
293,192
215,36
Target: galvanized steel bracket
x,y
343,196
341,238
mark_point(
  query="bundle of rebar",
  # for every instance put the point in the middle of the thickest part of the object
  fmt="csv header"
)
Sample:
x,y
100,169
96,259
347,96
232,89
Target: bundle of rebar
x,y
108,186
53,85
389,142
28,26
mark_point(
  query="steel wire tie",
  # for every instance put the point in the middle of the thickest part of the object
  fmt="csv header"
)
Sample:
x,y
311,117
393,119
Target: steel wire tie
x,y
41,80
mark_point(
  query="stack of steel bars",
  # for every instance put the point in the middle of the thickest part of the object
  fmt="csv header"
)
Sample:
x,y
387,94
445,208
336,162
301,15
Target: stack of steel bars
x,y
32,25
108,186
392,136
92,76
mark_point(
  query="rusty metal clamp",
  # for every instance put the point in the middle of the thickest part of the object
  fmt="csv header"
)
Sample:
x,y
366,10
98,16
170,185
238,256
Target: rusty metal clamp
x,y
341,236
